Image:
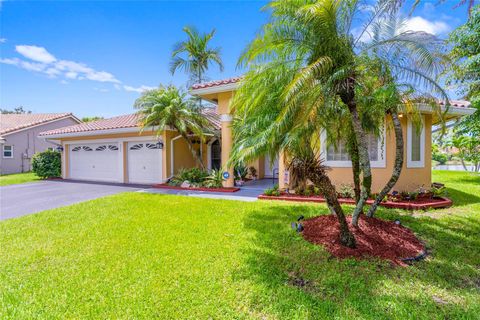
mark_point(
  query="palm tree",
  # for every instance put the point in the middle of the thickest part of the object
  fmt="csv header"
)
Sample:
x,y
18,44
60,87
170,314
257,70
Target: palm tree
x,y
194,55
169,107
308,65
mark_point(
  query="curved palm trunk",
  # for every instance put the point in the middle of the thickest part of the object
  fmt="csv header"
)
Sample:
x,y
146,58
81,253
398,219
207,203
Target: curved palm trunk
x,y
348,97
397,168
364,162
195,155
355,168
328,190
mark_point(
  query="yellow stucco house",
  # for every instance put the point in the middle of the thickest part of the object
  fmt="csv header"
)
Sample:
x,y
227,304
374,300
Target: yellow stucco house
x,y
115,150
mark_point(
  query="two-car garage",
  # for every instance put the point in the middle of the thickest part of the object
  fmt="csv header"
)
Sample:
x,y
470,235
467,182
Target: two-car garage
x,y
140,162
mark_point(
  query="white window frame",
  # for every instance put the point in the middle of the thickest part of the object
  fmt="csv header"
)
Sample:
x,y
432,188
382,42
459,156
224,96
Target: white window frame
x,y
420,163
11,151
380,163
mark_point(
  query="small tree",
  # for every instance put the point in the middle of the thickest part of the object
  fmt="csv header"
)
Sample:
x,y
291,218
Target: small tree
x,y
47,164
169,107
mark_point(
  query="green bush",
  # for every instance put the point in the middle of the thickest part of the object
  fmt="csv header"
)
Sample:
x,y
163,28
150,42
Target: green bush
x,y
441,158
215,179
272,191
195,176
47,164
346,191
241,171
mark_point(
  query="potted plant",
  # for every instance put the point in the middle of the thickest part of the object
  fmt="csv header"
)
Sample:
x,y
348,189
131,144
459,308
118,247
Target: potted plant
x,y
253,173
241,173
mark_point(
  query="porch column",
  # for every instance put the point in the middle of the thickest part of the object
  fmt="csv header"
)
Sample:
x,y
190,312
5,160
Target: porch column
x,y
65,161
283,179
226,120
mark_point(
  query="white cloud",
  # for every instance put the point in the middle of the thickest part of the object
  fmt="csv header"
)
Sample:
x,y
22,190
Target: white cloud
x,y
420,24
3,40
140,89
46,63
71,75
27,65
39,54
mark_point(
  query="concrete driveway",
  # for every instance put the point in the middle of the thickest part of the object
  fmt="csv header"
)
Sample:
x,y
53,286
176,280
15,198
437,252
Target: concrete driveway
x,y
22,199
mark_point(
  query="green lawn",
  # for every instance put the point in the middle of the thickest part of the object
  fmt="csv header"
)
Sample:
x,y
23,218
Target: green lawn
x,y
18,178
142,256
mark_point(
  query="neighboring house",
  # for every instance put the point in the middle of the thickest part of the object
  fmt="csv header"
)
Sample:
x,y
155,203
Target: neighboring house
x,y
115,150
19,137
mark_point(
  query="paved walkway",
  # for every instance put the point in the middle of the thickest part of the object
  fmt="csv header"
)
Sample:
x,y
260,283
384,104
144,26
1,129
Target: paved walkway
x,y
249,192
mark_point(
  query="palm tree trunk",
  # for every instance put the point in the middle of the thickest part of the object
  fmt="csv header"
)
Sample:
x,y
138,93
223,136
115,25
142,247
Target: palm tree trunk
x,y
328,190
347,95
397,168
194,152
364,162
355,167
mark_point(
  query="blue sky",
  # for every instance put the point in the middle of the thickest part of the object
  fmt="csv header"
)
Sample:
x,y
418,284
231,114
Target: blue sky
x,y
93,58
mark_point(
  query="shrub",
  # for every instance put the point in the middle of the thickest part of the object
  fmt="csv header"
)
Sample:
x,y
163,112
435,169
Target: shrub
x,y
241,171
47,164
195,176
440,157
440,191
214,179
346,191
272,191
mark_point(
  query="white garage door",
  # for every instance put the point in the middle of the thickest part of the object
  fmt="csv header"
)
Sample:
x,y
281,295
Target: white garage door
x,y
95,162
144,162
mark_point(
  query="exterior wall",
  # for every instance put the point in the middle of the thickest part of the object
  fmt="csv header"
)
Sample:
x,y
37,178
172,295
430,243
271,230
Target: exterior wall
x,y
410,178
182,157
26,142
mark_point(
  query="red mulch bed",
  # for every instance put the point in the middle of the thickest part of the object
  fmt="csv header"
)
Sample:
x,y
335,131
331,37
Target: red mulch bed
x,y
375,238
418,204
166,186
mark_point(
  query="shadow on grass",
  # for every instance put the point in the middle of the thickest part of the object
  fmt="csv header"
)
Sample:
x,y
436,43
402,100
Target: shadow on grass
x,y
301,280
461,198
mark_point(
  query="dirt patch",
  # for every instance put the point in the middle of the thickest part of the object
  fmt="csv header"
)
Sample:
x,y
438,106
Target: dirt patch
x,y
375,238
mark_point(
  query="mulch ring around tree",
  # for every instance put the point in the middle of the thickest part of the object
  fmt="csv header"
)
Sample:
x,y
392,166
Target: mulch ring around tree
x,y
374,237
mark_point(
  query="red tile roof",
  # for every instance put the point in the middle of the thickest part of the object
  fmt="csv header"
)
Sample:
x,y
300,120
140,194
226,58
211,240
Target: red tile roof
x,y
215,83
120,122
125,121
13,122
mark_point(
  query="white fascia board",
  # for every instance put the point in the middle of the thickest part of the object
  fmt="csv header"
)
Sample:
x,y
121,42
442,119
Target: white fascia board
x,y
215,89
451,110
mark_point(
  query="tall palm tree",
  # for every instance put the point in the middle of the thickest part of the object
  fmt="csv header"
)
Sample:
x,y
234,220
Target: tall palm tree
x,y
169,107
308,63
194,55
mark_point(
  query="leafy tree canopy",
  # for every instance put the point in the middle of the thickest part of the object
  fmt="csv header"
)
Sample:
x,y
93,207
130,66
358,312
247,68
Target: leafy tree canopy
x,y
17,110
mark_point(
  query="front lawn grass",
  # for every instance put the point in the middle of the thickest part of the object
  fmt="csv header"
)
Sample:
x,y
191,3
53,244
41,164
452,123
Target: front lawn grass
x,y
144,256
17,178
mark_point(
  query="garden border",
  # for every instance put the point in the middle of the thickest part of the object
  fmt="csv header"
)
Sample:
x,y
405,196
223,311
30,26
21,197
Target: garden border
x,y
440,202
226,190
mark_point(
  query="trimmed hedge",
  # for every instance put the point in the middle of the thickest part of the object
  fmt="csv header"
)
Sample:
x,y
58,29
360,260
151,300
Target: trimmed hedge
x,y
47,164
